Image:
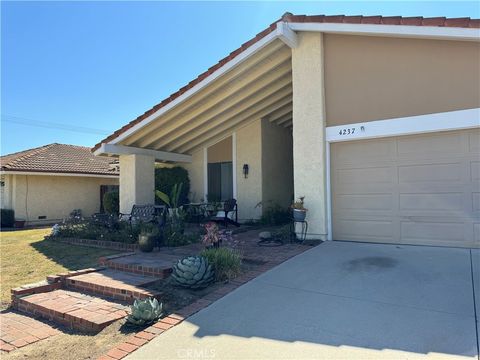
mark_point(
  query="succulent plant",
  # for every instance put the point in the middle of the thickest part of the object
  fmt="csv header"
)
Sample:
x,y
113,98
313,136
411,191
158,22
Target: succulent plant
x,y
145,311
193,272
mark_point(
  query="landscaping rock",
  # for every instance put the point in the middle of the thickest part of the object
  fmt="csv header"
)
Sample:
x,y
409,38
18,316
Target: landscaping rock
x,y
265,235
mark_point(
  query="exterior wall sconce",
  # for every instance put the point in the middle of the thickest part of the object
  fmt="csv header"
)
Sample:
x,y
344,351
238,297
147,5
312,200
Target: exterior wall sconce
x,y
245,170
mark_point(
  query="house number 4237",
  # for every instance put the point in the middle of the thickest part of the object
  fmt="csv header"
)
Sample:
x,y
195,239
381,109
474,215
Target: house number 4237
x,y
347,131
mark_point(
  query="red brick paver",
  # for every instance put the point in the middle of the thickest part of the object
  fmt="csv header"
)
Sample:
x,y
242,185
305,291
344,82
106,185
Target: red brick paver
x,y
117,285
78,311
17,330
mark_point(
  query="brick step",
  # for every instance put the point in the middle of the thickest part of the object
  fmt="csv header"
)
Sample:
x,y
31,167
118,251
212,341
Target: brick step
x,y
72,309
113,284
148,264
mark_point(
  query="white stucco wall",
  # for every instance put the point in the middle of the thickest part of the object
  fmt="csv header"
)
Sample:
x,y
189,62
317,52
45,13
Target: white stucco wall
x,y
137,181
277,165
54,196
195,173
309,156
249,149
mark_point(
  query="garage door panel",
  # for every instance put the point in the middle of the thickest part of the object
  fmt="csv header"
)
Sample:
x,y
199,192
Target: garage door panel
x,y
476,234
421,232
474,142
425,145
430,173
374,151
475,171
370,202
428,194
367,175
435,202
476,201
375,230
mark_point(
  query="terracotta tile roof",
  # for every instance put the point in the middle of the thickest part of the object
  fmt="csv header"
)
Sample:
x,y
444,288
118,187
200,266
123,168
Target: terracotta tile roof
x,y
464,22
58,158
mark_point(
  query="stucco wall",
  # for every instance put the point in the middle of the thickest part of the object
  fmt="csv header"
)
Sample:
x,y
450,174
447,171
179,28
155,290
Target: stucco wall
x,y
309,156
373,78
249,148
55,196
277,165
221,151
137,181
195,173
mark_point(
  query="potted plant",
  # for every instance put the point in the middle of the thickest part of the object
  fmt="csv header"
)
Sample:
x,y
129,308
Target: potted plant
x,y
19,223
147,238
299,210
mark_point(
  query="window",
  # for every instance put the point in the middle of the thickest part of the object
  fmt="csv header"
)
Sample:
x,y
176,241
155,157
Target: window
x,y
220,181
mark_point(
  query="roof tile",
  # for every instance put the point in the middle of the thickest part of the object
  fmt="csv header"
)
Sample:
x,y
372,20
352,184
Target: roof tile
x,y
58,158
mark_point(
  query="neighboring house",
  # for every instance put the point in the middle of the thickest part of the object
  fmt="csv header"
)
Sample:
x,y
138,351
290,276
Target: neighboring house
x,y
375,120
45,184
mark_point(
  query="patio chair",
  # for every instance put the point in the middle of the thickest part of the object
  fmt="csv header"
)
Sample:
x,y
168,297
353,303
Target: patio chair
x,y
230,210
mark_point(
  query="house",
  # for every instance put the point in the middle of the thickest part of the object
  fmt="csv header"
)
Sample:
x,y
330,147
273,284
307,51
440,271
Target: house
x,y
45,184
375,120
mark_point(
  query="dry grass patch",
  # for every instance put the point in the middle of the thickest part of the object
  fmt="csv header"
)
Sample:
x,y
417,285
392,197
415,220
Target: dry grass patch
x,y
73,345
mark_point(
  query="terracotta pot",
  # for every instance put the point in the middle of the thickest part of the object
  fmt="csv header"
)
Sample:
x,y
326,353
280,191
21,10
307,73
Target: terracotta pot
x,y
19,224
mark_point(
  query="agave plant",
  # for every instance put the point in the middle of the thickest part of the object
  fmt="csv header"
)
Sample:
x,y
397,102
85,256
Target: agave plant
x,y
193,272
145,311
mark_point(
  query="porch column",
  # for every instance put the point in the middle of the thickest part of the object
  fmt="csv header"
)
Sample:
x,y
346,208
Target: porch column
x,y
137,181
309,131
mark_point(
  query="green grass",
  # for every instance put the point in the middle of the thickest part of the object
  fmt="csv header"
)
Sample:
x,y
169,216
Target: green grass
x,y
27,258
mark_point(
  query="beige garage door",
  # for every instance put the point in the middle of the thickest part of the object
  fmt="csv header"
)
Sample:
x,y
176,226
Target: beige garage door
x,y
416,189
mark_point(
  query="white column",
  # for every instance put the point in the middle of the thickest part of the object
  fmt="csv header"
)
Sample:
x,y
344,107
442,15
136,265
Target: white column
x,y
137,181
309,157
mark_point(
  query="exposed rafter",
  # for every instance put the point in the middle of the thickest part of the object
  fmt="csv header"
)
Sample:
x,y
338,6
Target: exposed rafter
x,y
243,98
271,56
223,129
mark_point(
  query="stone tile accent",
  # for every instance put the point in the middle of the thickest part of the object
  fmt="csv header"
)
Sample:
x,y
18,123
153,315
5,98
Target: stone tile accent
x,y
18,330
157,264
114,284
75,310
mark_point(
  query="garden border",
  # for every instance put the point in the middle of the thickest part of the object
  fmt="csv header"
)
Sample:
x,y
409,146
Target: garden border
x,y
113,245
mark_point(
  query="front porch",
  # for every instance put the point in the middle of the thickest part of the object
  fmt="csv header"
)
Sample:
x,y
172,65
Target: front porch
x,y
255,133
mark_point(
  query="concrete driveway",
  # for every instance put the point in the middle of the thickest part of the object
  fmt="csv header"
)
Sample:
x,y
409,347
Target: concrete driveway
x,y
341,300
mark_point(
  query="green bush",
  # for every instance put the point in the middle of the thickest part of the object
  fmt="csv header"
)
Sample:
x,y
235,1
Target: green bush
x,y
226,262
166,178
7,217
173,237
111,202
275,215
118,231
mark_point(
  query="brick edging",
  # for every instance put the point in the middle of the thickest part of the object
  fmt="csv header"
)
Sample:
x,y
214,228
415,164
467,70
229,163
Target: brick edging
x,y
113,245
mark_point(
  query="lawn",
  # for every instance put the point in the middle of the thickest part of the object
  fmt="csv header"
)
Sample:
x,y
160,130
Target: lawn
x,y
27,258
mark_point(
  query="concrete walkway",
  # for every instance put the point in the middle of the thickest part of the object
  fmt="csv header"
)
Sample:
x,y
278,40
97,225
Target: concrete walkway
x,y
341,300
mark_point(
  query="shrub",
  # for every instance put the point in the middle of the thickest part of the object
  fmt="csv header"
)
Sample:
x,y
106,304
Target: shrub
x,y
275,215
114,230
226,262
111,202
7,218
173,237
166,178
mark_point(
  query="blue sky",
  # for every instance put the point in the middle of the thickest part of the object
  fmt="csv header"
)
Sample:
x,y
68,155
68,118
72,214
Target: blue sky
x,y
94,66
